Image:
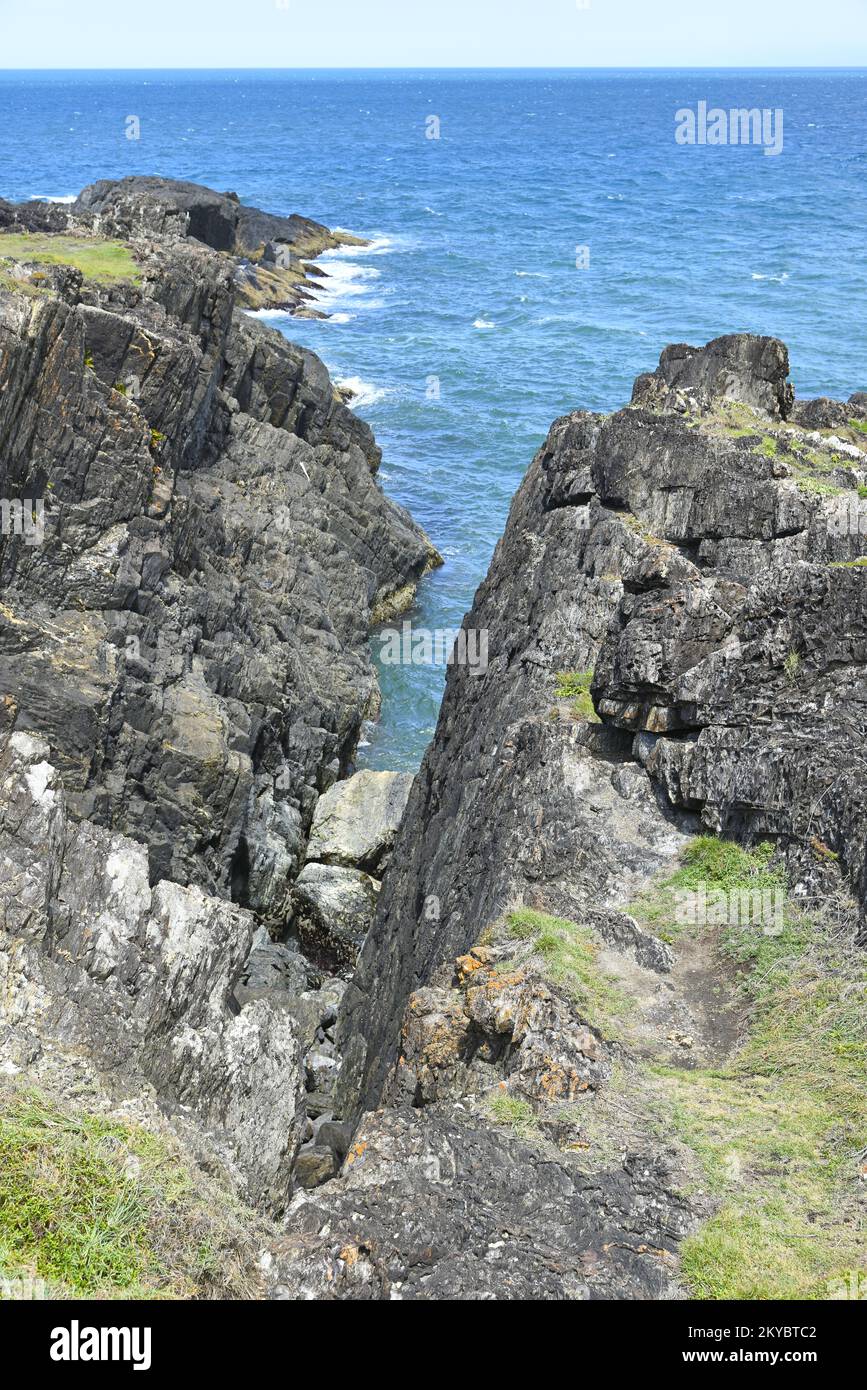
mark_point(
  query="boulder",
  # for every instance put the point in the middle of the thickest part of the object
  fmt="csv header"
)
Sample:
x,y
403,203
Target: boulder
x,y
356,821
315,1165
332,911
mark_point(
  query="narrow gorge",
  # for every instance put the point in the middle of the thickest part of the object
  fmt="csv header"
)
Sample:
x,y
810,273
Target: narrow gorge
x,y
448,1036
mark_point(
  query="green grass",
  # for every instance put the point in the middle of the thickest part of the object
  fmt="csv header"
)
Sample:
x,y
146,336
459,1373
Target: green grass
x,y
710,863
849,564
569,959
817,487
102,1209
859,425
103,261
768,447
513,1113
575,686
777,1129
9,282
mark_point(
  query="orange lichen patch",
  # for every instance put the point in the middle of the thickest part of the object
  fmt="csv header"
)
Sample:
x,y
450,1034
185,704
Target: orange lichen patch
x,y
443,1041
561,1083
349,1255
467,965
495,983
356,1151
476,959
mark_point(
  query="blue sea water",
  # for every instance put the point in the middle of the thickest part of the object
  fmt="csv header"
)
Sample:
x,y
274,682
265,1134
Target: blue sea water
x,y
468,326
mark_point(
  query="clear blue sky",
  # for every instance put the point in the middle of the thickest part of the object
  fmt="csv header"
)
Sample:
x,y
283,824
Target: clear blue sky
x,y
432,33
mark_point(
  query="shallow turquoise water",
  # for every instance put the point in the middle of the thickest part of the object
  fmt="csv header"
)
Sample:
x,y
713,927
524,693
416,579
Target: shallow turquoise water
x,y
467,326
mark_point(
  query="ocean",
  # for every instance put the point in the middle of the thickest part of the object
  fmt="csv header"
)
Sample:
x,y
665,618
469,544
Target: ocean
x,y
537,239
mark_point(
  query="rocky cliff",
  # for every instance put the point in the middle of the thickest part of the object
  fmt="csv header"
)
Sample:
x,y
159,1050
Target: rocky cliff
x,y
676,627
194,547
534,1080
697,554
190,635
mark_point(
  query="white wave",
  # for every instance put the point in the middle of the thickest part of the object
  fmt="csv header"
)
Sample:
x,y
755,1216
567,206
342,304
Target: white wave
x,y
484,323
433,213
53,198
344,282
363,392
775,279
341,318
269,313
532,275
377,246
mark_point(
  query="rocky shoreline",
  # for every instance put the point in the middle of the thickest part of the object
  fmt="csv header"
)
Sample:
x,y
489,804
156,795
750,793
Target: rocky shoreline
x,y
422,1028
273,257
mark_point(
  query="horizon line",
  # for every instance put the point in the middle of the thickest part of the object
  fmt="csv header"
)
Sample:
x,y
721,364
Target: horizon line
x,y
478,67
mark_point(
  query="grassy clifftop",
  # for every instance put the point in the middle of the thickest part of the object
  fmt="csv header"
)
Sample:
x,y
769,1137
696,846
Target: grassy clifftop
x,y
96,1207
104,261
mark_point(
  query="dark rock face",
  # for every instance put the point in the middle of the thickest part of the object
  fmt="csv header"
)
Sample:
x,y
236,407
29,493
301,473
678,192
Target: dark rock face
x,y
434,1206
171,207
111,987
183,672
190,637
737,367
696,552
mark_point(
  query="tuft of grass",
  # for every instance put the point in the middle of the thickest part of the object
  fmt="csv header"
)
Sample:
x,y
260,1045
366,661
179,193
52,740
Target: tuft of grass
x,y
860,425
98,1208
99,259
768,447
514,1113
816,487
575,686
791,666
710,863
569,954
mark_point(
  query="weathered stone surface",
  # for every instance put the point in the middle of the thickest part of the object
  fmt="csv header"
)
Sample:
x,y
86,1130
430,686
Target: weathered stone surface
x,y
272,970
356,821
689,551
738,367
332,912
191,637
500,1024
315,1165
432,1204
101,974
